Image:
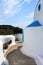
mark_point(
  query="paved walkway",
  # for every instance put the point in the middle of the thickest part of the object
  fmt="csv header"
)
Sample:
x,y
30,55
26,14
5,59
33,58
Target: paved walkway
x,y
17,58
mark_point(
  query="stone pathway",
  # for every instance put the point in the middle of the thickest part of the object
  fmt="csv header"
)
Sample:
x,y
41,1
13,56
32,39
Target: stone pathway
x,y
17,58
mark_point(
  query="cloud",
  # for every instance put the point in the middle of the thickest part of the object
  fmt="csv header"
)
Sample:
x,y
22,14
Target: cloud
x,y
21,24
28,1
30,15
29,20
10,7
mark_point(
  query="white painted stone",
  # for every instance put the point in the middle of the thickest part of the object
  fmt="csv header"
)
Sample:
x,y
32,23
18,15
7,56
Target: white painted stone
x,y
38,15
3,39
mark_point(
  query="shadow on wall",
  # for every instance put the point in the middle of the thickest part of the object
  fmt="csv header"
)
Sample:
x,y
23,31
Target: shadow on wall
x,y
18,37
5,45
5,62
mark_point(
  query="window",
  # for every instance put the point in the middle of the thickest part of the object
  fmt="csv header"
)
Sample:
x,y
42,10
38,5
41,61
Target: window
x,y
22,35
39,7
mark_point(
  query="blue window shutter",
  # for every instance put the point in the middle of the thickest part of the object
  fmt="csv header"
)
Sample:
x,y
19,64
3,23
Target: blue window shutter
x,y
22,35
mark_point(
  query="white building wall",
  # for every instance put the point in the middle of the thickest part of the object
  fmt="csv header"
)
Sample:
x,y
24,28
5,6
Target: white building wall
x,y
39,14
19,37
6,38
1,52
2,41
33,41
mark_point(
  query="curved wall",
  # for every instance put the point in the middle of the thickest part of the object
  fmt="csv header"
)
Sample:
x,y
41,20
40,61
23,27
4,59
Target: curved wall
x,y
33,41
39,12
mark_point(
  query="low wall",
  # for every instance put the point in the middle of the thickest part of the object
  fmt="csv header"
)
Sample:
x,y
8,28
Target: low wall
x,y
11,48
1,52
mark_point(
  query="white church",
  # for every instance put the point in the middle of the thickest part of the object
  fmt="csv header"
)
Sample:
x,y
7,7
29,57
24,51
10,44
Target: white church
x,y
33,36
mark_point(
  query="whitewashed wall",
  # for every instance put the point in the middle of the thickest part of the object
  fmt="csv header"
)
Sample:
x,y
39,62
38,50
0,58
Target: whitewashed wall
x,y
1,51
33,41
19,37
39,14
3,39
6,38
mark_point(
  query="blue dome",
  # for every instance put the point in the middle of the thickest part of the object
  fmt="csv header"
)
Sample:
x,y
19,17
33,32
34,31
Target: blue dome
x,y
34,24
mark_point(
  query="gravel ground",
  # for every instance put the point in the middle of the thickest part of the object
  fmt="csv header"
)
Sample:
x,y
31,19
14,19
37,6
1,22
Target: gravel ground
x,y
17,58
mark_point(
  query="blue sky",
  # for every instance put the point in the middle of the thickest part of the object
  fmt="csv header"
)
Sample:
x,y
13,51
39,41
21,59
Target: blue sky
x,y
17,13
